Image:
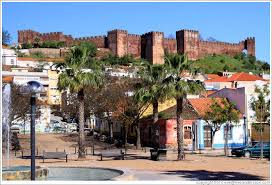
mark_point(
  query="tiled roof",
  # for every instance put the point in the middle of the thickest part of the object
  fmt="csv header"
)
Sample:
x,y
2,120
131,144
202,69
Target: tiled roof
x,y
188,112
40,59
212,76
236,77
244,77
7,79
219,79
208,93
202,105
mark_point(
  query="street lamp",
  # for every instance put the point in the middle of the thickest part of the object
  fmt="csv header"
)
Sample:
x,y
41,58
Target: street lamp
x,y
34,88
245,128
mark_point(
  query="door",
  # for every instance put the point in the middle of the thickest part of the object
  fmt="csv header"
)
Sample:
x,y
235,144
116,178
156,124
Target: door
x,y
207,136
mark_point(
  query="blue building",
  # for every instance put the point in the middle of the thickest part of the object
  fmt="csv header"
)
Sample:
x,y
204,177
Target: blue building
x,y
206,137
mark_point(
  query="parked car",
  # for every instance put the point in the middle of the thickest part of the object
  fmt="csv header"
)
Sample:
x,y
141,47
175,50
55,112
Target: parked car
x,y
255,151
239,152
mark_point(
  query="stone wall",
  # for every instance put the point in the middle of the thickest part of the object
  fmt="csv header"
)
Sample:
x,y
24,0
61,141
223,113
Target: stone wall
x,y
134,45
170,45
150,46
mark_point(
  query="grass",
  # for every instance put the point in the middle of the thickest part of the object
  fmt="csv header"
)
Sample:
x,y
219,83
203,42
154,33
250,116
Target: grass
x,y
219,63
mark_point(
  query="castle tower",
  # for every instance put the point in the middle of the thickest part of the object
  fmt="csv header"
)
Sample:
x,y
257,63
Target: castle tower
x,y
188,43
250,46
118,42
152,47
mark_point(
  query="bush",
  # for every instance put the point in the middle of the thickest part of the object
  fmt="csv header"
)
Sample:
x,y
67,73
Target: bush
x,y
266,66
226,68
27,46
37,55
91,46
222,61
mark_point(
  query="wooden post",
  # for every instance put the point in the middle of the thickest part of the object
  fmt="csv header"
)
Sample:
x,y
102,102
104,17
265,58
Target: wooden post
x,y
66,157
101,157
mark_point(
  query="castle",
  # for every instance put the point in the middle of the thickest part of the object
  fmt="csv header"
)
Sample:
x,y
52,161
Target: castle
x,y
151,46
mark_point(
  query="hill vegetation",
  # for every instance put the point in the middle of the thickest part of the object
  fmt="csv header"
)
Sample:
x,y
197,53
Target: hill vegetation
x,y
239,63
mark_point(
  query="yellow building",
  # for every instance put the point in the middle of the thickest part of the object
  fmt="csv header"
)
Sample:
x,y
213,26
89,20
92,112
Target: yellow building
x,y
54,96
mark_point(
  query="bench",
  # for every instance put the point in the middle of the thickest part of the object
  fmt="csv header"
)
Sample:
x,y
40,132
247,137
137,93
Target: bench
x,y
26,153
55,155
112,153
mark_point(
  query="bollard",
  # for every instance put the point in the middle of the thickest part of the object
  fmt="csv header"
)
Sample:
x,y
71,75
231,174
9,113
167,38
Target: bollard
x,y
75,149
37,151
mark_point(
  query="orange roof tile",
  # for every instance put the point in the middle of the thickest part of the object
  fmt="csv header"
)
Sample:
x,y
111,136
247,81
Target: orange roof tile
x,y
212,76
41,59
7,79
202,105
219,79
5,47
208,92
244,77
236,77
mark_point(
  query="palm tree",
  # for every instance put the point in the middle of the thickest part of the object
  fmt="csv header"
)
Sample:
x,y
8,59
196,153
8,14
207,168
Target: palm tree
x,y
178,88
153,92
80,72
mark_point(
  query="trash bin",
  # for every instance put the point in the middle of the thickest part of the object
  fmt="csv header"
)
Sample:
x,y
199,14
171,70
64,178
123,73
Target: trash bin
x,y
154,154
158,154
162,154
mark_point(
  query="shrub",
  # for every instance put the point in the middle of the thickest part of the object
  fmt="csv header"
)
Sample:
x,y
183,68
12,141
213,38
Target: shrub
x,y
226,68
27,46
37,55
222,61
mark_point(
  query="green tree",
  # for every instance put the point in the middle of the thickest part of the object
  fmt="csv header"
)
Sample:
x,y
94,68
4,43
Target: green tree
x,y
178,87
5,37
221,113
77,74
261,106
153,91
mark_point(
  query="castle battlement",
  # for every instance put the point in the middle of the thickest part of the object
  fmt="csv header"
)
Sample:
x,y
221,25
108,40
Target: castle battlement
x,y
120,43
134,35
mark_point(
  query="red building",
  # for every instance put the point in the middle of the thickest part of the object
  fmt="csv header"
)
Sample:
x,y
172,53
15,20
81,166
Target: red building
x,y
167,127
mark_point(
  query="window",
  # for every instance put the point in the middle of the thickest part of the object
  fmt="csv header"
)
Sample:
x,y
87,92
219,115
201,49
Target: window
x,y
187,132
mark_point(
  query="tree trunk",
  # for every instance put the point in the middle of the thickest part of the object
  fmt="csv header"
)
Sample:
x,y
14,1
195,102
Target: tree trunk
x,y
156,133
110,129
138,133
24,127
226,148
181,154
81,141
261,135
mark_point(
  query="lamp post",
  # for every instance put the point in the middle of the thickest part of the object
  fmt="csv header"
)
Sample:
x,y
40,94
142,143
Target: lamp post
x,y
245,128
34,88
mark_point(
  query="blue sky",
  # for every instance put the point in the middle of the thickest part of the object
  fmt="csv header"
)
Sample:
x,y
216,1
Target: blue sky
x,y
229,22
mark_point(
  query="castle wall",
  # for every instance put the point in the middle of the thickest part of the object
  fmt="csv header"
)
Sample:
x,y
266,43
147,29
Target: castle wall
x,y
134,45
99,41
170,45
150,46
209,48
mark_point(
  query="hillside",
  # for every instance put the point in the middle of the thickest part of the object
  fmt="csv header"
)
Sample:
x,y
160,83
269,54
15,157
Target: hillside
x,y
239,63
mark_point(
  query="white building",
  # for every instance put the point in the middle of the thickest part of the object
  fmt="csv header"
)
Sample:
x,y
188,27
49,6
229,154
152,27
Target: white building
x,y
9,57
